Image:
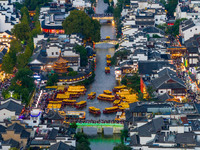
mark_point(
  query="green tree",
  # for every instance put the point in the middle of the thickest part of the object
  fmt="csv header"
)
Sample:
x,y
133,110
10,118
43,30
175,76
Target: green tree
x,y
52,80
121,147
13,148
23,84
132,82
124,135
25,19
21,61
82,146
79,22
24,11
83,55
140,96
7,64
21,31
73,125
171,6
150,91
72,73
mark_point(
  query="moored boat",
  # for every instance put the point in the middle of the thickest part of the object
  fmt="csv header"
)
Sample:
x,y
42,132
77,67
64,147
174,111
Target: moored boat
x,y
107,70
81,104
116,102
94,110
117,88
92,95
69,102
110,110
108,57
75,115
106,97
108,62
107,92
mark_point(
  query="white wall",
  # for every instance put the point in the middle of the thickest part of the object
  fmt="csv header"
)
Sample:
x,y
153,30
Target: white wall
x,y
4,114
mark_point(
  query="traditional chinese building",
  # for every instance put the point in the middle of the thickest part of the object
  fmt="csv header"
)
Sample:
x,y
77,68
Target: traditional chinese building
x,y
60,66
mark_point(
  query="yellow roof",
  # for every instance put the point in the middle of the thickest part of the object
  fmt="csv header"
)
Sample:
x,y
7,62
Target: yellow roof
x,y
92,93
69,100
123,93
112,108
62,96
55,102
94,108
104,95
107,68
108,56
75,112
51,87
54,106
120,87
81,102
61,87
107,91
116,101
108,61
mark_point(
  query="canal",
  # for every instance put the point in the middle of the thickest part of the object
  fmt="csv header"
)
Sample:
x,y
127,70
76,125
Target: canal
x,y
102,81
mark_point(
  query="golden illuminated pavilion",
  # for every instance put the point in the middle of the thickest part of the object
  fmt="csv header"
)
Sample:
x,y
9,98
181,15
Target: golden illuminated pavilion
x,y
177,52
60,66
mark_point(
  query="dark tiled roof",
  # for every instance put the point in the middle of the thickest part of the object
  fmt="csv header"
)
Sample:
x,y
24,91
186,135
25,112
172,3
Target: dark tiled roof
x,y
54,115
50,26
193,50
155,30
12,106
149,128
164,97
16,127
144,23
161,82
46,60
151,67
166,71
2,129
52,135
25,134
11,143
61,146
185,138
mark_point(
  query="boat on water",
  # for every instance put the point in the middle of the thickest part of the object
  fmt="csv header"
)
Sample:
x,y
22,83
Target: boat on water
x,y
107,70
116,102
69,102
110,110
81,104
107,92
92,95
106,97
117,88
94,110
108,62
108,57
75,115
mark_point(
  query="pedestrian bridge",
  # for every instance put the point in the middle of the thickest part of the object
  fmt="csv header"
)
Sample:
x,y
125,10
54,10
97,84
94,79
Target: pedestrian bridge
x,y
106,16
100,127
110,41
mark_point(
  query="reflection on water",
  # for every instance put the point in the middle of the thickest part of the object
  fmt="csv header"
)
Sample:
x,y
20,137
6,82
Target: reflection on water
x,y
102,82
102,142
108,30
101,7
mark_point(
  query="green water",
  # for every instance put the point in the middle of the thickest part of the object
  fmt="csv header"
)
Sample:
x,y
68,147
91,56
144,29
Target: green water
x,y
101,142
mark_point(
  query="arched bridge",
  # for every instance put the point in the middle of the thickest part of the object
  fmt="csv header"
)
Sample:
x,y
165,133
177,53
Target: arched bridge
x,y
100,127
110,41
106,16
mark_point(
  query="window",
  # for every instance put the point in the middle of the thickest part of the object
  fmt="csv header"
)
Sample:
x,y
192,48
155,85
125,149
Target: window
x,y
4,114
190,30
56,53
161,91
195,28
34,121
52,53
156,19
